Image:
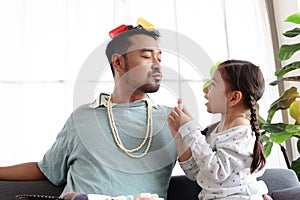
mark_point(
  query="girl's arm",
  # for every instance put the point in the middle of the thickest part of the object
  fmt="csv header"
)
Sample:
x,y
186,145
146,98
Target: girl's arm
x,y
216,162
175,121
230,151
184,152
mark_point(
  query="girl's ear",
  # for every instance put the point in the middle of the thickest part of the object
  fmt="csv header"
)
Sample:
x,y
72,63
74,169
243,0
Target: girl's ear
x,y
236,97
118,62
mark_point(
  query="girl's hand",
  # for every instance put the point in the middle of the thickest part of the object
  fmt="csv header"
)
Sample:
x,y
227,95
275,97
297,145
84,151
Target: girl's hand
x,y
75,196
70,195
177,118
267,197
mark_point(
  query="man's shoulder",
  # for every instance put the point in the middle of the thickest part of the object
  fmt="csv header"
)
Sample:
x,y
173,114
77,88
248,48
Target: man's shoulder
x,y
86,108
164,107
98,102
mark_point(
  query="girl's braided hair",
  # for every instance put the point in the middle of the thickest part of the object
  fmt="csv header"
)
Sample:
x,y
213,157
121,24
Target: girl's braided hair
x,y
247,78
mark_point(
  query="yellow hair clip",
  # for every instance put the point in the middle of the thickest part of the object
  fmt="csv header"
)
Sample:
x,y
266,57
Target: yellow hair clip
x,y
145,24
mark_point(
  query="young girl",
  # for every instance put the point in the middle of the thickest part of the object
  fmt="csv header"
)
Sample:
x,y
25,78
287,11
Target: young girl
x,y
226,161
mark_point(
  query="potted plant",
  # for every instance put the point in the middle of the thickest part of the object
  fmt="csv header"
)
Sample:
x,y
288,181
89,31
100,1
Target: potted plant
x,y
278,133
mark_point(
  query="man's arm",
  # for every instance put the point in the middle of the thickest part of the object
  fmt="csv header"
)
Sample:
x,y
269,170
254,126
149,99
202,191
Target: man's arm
x,y
22,172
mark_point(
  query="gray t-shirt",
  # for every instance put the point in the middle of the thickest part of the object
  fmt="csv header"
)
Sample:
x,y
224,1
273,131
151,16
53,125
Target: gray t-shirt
x,y
86,157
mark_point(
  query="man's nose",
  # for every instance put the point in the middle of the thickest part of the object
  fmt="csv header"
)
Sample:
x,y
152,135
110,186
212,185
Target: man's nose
x,y
155,59
155,63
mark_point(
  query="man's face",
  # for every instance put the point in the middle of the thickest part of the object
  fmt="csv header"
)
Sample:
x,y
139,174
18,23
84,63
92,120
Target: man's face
x,y
142,64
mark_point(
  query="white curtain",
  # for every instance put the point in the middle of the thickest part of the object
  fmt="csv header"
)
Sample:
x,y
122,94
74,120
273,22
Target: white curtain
x,y
45,43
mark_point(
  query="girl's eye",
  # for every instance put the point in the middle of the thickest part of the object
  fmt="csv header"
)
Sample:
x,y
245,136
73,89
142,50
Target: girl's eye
x,y
212,84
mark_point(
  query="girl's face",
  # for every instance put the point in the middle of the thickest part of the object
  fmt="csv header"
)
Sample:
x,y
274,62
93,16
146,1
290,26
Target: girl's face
x,y
216,94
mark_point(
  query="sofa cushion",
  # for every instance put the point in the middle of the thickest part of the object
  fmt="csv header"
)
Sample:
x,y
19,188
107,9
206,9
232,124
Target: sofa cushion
x,y
286,194
279,179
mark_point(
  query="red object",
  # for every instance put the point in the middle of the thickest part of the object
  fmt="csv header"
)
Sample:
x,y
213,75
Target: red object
x,y
179,101
115,32
180,105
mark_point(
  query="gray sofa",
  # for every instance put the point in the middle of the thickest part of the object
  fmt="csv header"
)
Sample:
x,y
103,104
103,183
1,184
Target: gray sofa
x,y
282,183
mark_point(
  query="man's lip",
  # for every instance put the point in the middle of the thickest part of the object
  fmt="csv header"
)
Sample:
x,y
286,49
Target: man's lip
x,y
156,75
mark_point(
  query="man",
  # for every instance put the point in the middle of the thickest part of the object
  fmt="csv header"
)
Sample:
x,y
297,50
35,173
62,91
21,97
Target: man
x,y
120,144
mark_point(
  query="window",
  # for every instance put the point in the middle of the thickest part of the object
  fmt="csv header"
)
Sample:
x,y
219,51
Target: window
x,y
43,53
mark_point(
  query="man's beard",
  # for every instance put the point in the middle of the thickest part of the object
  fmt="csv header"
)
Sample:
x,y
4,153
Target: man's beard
x,y
147,87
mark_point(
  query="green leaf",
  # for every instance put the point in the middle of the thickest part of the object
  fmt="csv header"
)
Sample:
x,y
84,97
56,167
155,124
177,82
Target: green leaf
x,y
280,137
278,132
296,167
294,18
287,50
283,102
288,68
293,129
292,33
274,128
292,78
268,148
264,138
261,121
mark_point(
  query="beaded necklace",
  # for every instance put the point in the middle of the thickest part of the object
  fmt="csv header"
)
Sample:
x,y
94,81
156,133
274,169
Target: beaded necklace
x,y
148,135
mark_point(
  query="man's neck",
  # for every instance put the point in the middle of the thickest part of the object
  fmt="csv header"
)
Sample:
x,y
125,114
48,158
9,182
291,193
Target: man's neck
x,y
119,97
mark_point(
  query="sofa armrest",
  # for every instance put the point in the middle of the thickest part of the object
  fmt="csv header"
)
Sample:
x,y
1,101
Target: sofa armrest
x,y
279,179
9,189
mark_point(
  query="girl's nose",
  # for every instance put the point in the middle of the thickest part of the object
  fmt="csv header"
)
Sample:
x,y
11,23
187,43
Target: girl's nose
x,y
205,90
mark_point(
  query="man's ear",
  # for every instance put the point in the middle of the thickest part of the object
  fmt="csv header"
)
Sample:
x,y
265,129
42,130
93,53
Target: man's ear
x,y
235,97
118,62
